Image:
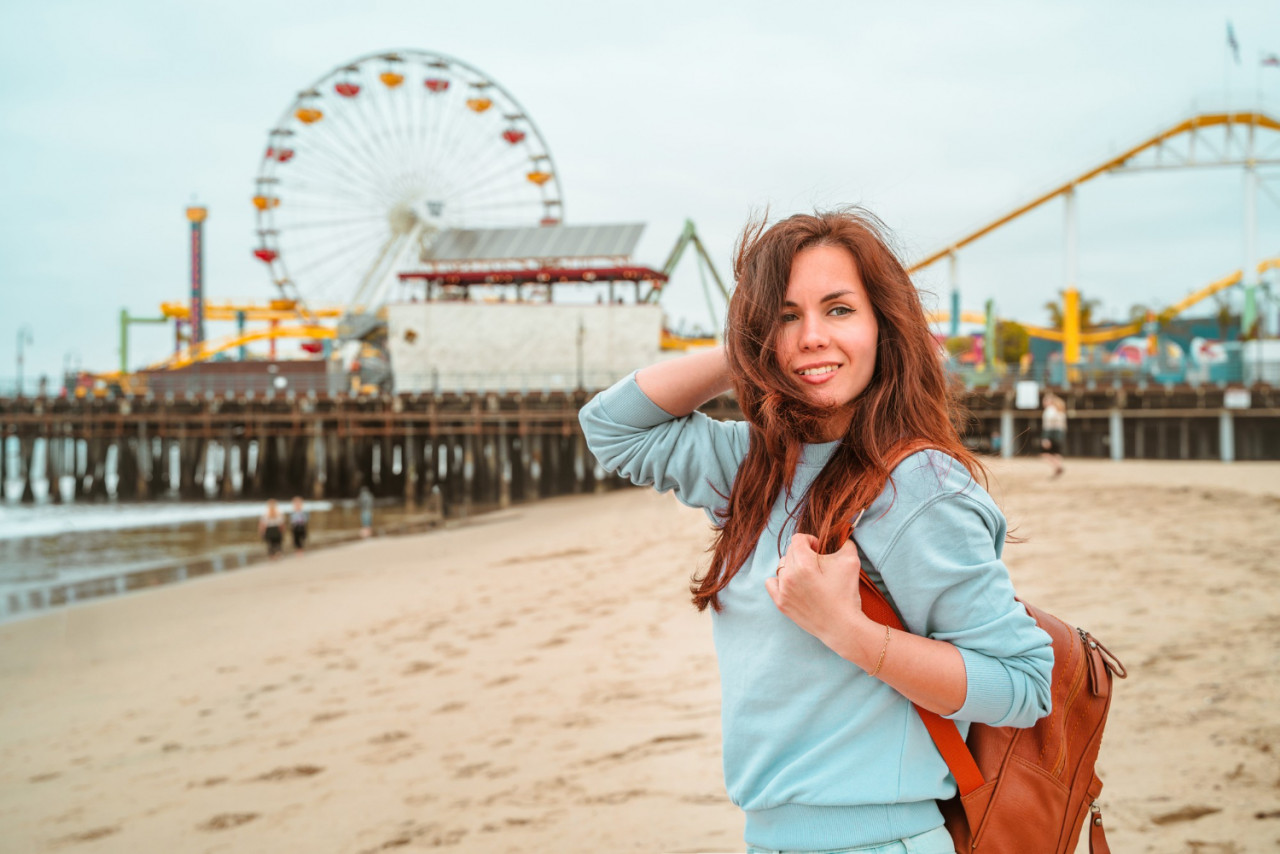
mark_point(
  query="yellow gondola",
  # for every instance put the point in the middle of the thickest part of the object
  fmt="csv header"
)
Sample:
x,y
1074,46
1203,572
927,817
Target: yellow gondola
x,y
538,177
391,79
479,105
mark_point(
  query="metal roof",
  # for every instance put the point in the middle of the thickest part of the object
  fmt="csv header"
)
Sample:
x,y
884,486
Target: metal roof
x,y
536,242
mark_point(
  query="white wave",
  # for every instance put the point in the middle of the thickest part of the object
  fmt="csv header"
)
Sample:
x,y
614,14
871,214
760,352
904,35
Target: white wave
x,y
51,520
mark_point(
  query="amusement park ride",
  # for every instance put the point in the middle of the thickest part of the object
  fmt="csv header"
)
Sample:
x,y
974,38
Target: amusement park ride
x,y
376,173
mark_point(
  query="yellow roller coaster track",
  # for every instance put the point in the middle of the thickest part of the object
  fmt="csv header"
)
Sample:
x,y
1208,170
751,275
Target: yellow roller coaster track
x,y
190,355
1191,125
1115,333
278,310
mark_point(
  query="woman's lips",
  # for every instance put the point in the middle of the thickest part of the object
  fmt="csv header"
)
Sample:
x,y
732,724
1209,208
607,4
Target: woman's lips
x,y
820,377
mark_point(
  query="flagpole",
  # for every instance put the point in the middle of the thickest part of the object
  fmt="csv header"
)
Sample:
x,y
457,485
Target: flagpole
x,y
1226,69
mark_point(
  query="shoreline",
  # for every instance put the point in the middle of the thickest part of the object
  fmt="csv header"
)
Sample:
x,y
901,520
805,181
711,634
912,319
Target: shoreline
x,y
21,600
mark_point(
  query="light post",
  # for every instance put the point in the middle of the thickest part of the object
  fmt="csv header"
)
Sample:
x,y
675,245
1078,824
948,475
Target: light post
x,y
24,338
67,362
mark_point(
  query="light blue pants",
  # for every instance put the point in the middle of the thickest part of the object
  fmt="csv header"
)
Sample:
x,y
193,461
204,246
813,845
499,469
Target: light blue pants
x,y
936,841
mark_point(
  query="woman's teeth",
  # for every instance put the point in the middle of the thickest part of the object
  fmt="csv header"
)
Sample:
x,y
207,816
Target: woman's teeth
x,y
826,369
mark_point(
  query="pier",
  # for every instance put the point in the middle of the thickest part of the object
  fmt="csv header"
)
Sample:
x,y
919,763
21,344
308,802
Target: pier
x,y
485,449
495,448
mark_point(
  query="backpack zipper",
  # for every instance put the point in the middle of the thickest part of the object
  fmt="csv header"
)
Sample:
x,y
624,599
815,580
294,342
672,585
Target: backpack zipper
x,y
1076,681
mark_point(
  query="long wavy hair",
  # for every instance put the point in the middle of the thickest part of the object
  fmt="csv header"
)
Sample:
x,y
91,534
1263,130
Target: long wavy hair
x,y
908,405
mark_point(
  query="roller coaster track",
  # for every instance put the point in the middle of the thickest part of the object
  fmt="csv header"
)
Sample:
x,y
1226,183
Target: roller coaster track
x,y
1191,127
190,355
1115,333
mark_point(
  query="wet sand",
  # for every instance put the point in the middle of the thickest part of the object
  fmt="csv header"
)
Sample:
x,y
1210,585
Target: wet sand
x,y
535,680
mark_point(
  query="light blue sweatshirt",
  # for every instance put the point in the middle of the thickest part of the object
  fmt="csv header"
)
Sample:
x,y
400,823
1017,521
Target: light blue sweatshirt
x,y
817,753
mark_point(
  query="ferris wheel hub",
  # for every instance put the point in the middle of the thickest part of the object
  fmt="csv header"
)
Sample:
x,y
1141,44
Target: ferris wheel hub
x,y
402,219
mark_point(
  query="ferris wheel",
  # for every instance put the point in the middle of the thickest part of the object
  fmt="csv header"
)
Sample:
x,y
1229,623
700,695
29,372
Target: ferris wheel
x,y
372,162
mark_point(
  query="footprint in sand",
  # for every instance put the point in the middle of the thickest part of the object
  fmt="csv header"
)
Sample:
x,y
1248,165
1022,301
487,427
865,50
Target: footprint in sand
x,y
389,737
87,835
327,716
418,667
227,820
206,783
1188,813
293,773
501,680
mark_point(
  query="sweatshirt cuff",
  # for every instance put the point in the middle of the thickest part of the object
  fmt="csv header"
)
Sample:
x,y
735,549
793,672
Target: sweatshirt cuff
x,y
989,694
626,404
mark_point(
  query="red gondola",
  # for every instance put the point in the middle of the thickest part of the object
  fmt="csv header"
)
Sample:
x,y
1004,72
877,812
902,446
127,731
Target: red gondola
x,y
267,255
513,136
346,90
436,84
284,154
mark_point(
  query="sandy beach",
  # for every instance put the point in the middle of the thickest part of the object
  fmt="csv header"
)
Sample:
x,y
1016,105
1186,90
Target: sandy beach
x,y
536,680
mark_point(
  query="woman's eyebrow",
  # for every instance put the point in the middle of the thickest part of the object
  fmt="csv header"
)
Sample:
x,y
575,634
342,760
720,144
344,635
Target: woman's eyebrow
x,y
828,298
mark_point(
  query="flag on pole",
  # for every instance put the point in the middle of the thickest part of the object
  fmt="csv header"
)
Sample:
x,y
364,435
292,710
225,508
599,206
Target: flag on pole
x,y
1232,43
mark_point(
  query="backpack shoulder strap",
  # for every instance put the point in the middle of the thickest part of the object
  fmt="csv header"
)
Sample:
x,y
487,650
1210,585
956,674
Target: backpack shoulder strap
x,y
945,733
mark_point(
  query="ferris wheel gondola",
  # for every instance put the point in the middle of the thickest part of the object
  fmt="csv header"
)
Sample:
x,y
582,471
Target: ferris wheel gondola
x,y
372,162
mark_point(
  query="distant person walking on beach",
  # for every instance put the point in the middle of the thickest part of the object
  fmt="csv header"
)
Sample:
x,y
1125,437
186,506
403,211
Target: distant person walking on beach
x,y
271,528
849,422
365,502
1053,432
298,523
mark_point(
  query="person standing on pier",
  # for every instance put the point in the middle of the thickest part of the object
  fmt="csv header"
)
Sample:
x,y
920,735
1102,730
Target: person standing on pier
x,y
271,529
298,524
849,424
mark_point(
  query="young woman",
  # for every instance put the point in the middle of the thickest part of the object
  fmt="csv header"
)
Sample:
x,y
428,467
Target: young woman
x,y
849,422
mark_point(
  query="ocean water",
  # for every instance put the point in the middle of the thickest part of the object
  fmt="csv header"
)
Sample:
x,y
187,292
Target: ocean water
x,y
47,543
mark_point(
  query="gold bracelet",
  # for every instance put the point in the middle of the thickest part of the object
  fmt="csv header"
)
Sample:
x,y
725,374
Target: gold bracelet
x,y
883,650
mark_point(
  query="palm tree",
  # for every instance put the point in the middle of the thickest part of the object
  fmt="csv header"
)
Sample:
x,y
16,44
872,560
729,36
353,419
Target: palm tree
x,y
1087,308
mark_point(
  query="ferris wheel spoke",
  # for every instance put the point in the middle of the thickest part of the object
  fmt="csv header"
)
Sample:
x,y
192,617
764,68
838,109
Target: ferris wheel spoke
x,y
336,223
460,146
352,249
459,134
311,242
320,184
341,146
367,196
334,157
364,130
481,174
349,148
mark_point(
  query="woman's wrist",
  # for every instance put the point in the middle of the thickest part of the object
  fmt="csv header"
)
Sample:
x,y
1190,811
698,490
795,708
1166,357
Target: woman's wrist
x,y
862,642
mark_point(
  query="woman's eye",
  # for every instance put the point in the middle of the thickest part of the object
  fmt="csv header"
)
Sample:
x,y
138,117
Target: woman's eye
x,y
788,317
841,310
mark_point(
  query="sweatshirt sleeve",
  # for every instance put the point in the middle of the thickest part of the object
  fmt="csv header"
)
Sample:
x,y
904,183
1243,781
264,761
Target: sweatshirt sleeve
x,y
696,456
943,570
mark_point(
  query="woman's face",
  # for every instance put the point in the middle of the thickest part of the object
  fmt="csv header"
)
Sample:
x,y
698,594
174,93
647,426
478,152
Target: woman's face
x,y
827,334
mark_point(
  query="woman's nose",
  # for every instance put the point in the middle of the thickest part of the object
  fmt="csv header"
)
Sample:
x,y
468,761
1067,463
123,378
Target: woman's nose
x,y
812,335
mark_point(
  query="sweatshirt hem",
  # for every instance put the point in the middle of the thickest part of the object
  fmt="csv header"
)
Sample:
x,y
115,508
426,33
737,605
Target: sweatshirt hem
x,y
803,827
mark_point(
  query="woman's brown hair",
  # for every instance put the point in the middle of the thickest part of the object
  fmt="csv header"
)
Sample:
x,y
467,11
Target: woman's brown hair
x,y
909,404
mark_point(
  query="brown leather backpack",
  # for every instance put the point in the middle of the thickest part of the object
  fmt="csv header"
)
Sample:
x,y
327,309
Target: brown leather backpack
x,y
1028,791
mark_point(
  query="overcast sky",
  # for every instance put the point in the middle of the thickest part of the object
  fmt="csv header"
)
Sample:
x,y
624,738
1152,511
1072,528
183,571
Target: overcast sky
x,y
938,116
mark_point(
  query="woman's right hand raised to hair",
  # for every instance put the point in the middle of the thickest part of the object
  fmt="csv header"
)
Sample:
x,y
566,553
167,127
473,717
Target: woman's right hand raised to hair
x,y
683,384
